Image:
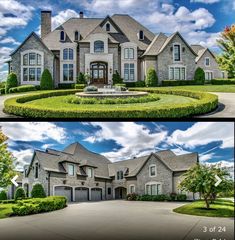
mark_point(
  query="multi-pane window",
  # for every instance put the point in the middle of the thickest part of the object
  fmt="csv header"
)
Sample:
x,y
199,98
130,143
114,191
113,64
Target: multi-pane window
x,y
207,61
132,189
129,71
152,170
90,172
177,73
153,189
177,56
208,76
119,175
98,46
68,72
129,53
36,170
68,54
32,67
71,169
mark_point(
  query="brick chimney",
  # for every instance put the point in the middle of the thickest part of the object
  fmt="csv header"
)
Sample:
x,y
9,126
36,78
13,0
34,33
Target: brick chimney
x,y
81,14
45,23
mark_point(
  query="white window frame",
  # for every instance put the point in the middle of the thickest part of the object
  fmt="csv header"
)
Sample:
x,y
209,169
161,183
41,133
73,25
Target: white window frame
x,y
36,82
177,66
68,65
92,172
209,62
119,175
128,50
129,72
62,40
153,183
173,52
130,186
79,36
150,166
212,75
70,164
141,39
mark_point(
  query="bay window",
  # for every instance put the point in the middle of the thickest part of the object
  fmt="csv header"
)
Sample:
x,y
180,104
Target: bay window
x,y
68,54
129,71
129,53
68,72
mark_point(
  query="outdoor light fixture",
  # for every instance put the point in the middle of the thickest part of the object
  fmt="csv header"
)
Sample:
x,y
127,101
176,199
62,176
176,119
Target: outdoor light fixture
x,y
87,71
64,181
110,70
83,183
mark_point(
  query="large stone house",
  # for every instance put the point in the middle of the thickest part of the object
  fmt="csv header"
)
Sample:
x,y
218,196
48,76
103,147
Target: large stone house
x,y
101,46
82,175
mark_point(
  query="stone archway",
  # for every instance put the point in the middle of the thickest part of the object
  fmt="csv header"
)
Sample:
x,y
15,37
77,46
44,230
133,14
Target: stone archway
x,y
120,193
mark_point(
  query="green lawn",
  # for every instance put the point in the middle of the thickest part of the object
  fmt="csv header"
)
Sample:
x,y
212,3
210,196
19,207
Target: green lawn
x,y
208,88
221,208
5,210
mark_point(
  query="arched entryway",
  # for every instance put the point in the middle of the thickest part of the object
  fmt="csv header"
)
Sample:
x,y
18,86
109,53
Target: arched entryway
x,y
99,73
120,193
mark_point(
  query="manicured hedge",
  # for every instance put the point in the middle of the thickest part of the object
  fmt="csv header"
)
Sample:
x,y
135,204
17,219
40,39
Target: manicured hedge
x,y
80,86
3,195
206,103
8,201
11,82
160,197
19,193
178,82
39,205
38,191
222,81
66,85
24,88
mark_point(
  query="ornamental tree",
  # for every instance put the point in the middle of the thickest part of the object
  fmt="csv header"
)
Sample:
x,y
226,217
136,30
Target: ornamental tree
x,y
226,43
6,163
201,178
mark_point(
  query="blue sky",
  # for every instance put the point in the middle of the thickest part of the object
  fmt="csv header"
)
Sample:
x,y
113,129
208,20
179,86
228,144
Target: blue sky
x,y
200,21
214,141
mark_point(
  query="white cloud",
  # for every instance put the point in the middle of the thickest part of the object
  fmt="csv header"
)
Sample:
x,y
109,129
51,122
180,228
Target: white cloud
x,y
9,40
133,139
47,145
33,131
4,56
205,157
202,133
205,1
23,157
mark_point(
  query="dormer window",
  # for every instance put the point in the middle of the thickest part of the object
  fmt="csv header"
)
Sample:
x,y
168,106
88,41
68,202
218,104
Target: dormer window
x,y
119,175
62,36
207,61
90,172
177,53
76,36
71,169
107,27
141,35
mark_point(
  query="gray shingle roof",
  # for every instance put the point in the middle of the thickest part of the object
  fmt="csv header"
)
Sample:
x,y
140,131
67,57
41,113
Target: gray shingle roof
x,y
196,48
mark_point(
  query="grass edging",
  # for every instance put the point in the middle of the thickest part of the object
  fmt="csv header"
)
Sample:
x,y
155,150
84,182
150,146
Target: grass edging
x,y
206,103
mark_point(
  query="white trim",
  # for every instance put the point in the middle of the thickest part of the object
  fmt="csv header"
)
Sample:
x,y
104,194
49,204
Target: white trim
x,y
153,183
73,169
177,66
212,75
150,166
62,40
173,55
209,62
132,185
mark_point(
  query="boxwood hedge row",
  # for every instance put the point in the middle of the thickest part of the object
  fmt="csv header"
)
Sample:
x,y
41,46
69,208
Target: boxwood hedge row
x,y
206,103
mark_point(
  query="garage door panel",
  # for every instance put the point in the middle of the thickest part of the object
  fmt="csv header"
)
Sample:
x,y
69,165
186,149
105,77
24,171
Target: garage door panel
x,y
96,194
64,191
81,194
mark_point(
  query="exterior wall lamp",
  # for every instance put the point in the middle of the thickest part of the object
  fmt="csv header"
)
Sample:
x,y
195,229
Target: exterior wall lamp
x,y
110,70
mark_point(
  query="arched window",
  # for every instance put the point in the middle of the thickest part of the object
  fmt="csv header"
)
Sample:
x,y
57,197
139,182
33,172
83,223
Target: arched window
x,y
141,35
68,54
76,36
98,46
107,27
62,36
32,66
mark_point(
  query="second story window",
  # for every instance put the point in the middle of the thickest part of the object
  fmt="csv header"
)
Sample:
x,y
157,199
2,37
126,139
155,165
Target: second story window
x,y
36,170
119,175
98,46
76,36
129,53
90,172
62,36
107,27
177,56
152,170
207,62
68,54
141,35
71,169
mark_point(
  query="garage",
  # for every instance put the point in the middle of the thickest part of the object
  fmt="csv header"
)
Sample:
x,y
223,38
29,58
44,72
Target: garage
x,y
81,194
96,194
64,191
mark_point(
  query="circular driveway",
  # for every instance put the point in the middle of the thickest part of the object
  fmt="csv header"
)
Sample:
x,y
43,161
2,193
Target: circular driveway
x,y
114,220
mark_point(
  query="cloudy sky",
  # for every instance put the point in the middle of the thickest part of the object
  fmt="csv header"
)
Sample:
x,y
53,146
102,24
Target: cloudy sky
x,y
214,141
200,21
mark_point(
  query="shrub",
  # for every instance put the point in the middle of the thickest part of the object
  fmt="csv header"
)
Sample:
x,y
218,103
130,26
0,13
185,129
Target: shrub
x,y
173,196
151,78
130,84
80,86
3,195
20,193
199,76
132,197
178,82
39,205
117,78
38,191
46,82
8,201
2,84
140,84
91,89
222,81
81,78
66,85
181,197
2,91
11,82
24,88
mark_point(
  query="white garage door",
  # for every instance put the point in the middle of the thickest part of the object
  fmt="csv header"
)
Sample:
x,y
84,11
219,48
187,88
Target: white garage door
x,y
81,194
96,194
64,191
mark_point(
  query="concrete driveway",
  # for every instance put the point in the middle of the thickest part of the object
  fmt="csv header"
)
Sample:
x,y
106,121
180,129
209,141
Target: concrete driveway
x,y
114,220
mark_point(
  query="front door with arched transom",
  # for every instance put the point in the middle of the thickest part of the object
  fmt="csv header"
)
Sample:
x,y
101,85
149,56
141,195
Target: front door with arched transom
x,y
99,74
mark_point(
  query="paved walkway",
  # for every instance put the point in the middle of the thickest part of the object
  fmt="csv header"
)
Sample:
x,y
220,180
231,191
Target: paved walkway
x,y
226,107
115,220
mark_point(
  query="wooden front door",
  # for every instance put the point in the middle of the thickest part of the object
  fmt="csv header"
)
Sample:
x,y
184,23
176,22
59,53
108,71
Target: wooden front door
x,y
99,73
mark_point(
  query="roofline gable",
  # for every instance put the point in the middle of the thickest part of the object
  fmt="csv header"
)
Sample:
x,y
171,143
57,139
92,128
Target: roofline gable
x,y
108,18
205,50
